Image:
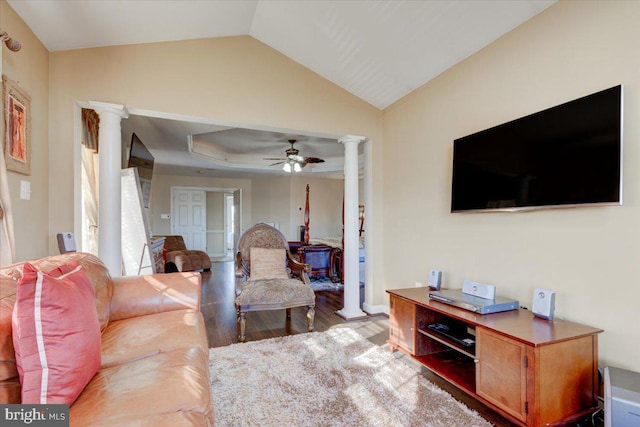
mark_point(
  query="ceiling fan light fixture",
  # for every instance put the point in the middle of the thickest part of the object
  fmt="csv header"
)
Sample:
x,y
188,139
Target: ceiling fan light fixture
x,y
294,162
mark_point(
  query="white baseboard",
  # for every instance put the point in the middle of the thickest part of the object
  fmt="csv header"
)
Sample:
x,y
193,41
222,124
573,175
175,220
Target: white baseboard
x,y
375,309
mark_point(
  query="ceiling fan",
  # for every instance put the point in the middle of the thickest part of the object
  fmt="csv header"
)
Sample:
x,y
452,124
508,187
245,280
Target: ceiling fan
x,y
294,162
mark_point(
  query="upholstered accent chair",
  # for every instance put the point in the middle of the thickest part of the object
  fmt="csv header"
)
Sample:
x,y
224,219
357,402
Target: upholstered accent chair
x,y
269,278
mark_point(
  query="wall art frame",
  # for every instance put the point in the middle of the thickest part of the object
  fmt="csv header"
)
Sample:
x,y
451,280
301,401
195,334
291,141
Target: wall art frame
x,y
17,120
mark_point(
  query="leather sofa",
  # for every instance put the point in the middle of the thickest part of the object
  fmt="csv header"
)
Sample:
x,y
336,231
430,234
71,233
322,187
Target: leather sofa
x,y
185,259
154,367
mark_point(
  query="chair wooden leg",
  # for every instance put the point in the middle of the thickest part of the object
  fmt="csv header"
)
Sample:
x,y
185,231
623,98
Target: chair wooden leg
x,y
242,325
288,313
311,314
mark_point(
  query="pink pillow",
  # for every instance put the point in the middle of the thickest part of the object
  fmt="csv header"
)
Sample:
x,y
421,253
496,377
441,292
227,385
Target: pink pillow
x,y
56,334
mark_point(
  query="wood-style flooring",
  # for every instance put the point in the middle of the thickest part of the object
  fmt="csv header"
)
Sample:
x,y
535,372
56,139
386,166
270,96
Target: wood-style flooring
x,y
218,293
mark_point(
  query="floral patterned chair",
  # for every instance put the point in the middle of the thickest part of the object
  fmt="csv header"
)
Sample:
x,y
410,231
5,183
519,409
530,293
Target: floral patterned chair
x,y
269,278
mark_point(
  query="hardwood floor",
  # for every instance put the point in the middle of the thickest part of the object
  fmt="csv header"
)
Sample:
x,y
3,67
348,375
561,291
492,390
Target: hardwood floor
x,y
218,294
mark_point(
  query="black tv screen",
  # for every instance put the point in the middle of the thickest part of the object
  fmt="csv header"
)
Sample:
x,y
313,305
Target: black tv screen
x,y
568,155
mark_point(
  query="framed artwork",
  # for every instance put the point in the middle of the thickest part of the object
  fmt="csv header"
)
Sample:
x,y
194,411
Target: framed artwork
x,y
17,119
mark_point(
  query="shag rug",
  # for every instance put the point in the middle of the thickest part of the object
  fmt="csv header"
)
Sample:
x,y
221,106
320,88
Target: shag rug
x,y
333,378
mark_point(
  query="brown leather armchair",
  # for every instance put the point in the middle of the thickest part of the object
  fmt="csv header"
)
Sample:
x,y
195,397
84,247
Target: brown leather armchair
x,y
185,259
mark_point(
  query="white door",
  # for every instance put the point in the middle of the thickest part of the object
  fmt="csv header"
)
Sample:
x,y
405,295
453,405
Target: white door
x,y
229,220
189,213
237,217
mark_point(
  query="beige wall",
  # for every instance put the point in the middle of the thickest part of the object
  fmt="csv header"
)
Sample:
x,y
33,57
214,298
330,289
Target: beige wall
x,y
325,206
30,69
215,215
589,256
270,202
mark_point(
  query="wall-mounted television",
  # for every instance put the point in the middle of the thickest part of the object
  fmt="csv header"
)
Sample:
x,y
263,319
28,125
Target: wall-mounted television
x,y
140,157
566,156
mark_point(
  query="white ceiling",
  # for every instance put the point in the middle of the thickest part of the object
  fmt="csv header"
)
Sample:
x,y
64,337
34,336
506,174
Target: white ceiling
x,y
377,50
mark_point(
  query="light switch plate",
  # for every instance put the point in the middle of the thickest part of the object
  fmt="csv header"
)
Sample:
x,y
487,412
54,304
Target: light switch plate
x,y
25,190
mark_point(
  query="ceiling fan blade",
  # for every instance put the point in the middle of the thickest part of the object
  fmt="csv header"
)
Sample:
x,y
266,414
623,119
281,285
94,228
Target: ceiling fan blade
x,y
273,158
277,163
313,160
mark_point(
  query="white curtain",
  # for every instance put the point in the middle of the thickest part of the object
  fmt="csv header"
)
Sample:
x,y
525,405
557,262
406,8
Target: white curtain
x,y
90,125
7,238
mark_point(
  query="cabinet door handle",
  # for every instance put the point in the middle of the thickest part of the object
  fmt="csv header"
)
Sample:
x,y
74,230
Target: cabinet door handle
x,y
476,360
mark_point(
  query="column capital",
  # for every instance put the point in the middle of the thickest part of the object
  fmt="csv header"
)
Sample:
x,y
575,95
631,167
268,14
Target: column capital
x,y
351,138
105,107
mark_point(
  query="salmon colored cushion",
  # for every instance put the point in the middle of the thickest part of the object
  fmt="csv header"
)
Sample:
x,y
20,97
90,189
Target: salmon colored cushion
x,y
56,334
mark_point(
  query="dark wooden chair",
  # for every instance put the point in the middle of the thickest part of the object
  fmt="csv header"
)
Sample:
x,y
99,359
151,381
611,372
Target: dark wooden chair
x,y
318,257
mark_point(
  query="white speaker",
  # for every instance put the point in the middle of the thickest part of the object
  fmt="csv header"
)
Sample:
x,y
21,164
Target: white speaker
x,y
435,279
544,303
66,242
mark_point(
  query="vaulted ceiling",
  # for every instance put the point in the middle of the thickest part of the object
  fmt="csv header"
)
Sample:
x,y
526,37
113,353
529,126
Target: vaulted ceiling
x,y
377,50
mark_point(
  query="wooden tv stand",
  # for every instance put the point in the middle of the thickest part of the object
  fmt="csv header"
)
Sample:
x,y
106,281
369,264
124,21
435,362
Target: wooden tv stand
x,y
533,371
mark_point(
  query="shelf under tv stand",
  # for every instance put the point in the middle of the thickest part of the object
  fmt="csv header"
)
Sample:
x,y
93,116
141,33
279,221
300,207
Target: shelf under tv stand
x,y
532,371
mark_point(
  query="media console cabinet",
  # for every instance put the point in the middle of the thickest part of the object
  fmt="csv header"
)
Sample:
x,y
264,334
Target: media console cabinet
x,y
533,371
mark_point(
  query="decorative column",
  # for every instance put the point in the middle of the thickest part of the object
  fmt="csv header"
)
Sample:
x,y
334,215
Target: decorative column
x,y
110,165
351,245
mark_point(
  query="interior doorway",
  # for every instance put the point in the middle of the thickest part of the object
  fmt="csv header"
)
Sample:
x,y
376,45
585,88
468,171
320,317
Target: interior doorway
x,y
213,224
189,213
229,219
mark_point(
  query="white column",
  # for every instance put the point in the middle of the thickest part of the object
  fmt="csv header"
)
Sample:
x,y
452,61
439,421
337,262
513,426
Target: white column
x,y
110,164
350,250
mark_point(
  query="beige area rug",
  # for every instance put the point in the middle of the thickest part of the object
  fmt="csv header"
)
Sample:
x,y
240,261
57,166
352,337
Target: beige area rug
x,y
333,378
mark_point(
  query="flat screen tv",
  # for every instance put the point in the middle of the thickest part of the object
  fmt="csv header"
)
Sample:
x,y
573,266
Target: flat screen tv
x,y
140,157
566,156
